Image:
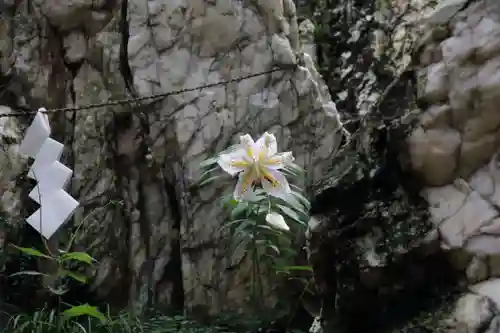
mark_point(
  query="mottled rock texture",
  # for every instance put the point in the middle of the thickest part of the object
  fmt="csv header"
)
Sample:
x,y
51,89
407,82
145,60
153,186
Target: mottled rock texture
x,y
451,152
155,235
456,145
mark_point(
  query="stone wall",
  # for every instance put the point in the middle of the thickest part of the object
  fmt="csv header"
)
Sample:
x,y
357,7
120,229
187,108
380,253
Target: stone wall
x,y
156,237
455,148
453,52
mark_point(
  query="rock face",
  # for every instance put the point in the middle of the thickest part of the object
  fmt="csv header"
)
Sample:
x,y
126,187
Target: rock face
x,y
455,147
452,150
156,237
455,150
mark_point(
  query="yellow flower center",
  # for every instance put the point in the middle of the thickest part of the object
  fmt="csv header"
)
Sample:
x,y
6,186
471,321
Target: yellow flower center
x,y
267,176
239,164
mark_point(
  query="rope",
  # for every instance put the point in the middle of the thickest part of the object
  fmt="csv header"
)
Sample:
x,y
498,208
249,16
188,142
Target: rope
x,y
153,97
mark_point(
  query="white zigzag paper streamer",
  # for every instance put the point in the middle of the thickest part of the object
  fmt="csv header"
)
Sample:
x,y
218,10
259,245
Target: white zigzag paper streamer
x,y
52,177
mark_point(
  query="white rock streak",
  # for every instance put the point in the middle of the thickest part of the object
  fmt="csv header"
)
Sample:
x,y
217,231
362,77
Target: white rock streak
x,y
56,206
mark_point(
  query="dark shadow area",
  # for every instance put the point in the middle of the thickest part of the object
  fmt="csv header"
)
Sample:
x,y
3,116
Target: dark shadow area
x,y
404,276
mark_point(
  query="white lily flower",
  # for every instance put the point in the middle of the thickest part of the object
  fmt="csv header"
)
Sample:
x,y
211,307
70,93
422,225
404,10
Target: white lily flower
x,y
277,221
258,162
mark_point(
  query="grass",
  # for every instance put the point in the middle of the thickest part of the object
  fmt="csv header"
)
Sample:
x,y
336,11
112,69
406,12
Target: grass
x,y
48,321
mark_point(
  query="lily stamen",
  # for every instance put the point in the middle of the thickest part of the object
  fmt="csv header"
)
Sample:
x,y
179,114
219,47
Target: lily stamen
x,y
258,162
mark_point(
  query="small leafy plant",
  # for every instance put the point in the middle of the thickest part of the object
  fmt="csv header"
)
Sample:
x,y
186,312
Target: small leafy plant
x,y
65,265
265,212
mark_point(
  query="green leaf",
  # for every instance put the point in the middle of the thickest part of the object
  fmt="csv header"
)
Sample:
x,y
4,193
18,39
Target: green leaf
x,y
74,275
294,170
59,291
207,181
32,273
297,193
291,214
78,256
209,161
84,310
231,223
274,248
255,197
32,252
297,168
240,243
21,327
206,174
296,205
297,268
241,207
269,228
288,173
227,201
240,230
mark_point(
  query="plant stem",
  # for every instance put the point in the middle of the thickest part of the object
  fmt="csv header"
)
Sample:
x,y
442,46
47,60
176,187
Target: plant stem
x,y
58,311
254,269
257,291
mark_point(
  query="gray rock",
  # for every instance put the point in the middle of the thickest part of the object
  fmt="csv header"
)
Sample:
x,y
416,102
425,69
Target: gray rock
x,y
146,215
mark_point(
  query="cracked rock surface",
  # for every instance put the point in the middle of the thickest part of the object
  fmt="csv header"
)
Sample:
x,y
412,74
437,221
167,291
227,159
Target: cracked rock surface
x,y
455,147
161,242
453,151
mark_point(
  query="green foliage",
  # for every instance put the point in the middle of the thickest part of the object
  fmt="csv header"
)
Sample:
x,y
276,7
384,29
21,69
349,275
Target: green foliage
x,y
57,319
46,321
61,260
247,227
246,230
54,321
65,266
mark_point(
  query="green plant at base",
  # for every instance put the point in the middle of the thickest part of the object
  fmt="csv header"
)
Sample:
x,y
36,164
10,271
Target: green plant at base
x,y
57,320
45,321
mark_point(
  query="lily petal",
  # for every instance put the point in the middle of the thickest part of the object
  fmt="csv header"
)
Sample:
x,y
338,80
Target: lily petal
x,y
247,143
266,145
271,144
277,221
234,162
261,142
244,186
274,183
278,161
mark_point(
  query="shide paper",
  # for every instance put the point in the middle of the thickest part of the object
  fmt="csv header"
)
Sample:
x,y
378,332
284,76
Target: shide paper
x,y
56,206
